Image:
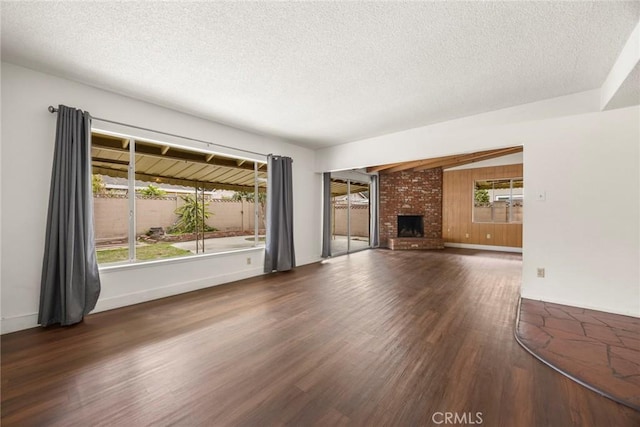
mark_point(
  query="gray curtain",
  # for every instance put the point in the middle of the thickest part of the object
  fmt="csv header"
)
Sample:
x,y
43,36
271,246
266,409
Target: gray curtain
x,y
70,283
279,251
373,207
326,215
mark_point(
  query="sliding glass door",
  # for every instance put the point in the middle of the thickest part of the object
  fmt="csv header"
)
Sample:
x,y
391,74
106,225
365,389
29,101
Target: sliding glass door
x,y
359,216
339,220
350,215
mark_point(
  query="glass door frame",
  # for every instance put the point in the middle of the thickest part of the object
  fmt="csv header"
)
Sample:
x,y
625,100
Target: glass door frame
x,y
363,180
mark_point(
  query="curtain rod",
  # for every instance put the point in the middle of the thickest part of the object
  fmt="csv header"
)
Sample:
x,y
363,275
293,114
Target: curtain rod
x,y
52,110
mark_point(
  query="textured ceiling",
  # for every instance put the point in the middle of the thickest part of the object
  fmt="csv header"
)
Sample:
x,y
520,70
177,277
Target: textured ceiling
x,y
324,73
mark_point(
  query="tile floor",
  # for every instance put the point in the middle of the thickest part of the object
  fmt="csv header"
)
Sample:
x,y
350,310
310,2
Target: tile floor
x,y
597,348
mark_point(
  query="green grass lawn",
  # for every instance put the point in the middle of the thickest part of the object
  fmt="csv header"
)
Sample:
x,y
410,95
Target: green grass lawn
x,y
154,251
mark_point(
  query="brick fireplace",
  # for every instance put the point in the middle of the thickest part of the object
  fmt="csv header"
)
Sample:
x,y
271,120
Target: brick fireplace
x,y
411,198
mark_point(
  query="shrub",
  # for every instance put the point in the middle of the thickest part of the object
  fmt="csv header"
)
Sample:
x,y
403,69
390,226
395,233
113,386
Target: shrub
x,y
481,197
97,184
190,216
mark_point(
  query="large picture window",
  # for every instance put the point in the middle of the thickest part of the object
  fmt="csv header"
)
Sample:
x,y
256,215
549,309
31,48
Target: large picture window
x,y
498,200
155,201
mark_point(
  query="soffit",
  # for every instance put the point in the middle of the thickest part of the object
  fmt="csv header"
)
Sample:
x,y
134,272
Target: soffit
x,y
165,164
444,162
340,188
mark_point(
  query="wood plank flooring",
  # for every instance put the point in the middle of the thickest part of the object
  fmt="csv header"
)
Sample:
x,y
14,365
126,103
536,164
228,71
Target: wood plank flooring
x,y
374,338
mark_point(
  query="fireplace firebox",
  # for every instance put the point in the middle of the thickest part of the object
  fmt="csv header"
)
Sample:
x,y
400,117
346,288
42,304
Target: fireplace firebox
x,y
410,226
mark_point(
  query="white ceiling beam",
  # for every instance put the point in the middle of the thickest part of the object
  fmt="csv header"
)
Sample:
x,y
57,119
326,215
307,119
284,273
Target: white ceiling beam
x,y
620,88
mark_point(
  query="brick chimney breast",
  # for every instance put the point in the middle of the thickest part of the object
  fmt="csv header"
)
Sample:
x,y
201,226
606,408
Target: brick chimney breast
x,y
411,193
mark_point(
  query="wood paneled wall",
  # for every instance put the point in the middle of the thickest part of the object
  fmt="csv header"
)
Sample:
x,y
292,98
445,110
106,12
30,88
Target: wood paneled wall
x,y
457,207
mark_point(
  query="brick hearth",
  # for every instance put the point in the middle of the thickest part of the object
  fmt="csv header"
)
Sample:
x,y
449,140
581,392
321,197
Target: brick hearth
x,y
406,243
411,193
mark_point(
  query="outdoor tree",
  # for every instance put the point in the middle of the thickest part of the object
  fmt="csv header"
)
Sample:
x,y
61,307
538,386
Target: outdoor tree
x,y
481,197
249,196
191,215
152,191
97,184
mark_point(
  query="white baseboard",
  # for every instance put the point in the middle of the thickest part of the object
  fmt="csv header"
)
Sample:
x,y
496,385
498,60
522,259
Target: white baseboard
x,y
573,304
483,247
18,323
300,263
26,321
30,320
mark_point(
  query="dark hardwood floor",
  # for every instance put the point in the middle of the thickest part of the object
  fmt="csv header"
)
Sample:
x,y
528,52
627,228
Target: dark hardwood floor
x,y
374,338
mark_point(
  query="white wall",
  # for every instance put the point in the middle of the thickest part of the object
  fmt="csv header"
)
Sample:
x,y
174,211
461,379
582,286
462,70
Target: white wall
x,y
27,147
459,136
587,232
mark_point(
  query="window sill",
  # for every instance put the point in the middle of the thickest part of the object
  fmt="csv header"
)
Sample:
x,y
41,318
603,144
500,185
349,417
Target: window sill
x,y
169,261
499,223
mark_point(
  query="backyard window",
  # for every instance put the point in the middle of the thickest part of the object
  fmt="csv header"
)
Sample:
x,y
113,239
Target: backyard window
x,y
155,201
498,200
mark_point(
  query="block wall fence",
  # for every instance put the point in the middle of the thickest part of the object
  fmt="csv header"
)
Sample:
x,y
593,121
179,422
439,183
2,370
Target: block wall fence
x,y
111,215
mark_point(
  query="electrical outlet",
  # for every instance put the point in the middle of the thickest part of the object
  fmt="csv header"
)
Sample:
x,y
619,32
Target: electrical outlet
x,y
248,261
541,272
488,236
466,235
